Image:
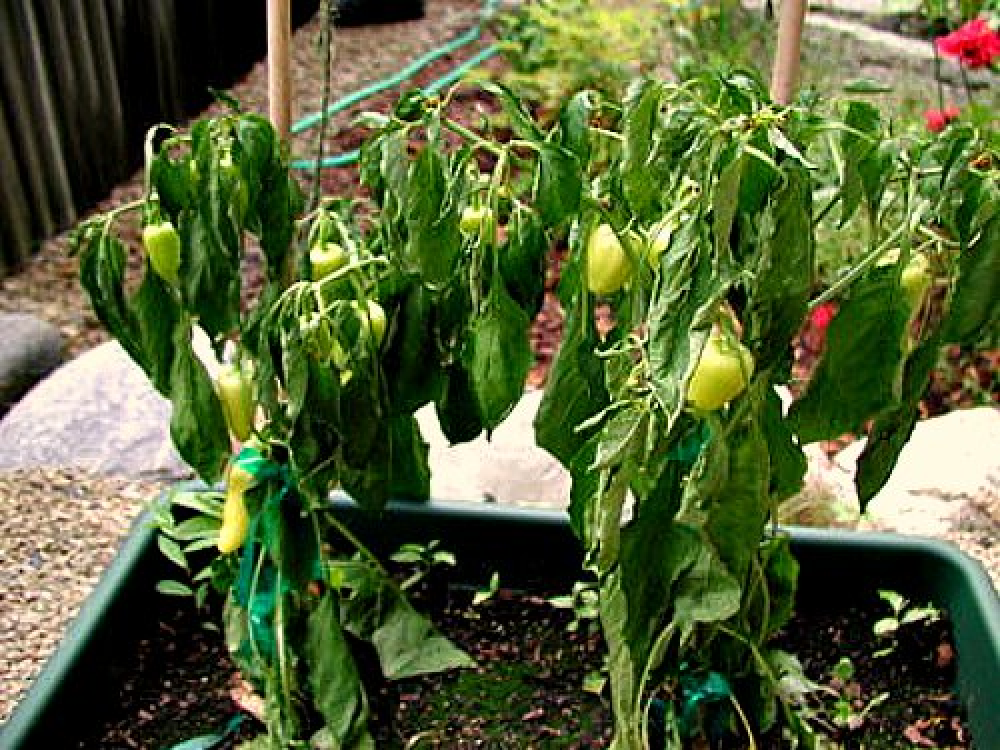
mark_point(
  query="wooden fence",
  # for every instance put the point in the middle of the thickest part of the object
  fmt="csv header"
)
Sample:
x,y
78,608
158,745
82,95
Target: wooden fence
x,y
82,80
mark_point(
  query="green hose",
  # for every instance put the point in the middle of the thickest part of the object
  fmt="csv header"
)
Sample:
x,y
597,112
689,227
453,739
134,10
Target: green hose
x,y
309,121
386,83
350,157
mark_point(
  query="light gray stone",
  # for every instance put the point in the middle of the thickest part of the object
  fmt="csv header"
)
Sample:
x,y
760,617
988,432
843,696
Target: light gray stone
x,y
948,461
31,349
510,468
99,413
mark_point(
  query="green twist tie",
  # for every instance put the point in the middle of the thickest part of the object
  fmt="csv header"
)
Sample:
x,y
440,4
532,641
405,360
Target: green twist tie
x,y
698,692
279,477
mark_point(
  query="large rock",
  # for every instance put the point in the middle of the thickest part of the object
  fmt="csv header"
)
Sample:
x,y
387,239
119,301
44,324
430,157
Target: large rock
x,y
948,462
31,349
509,468
99,413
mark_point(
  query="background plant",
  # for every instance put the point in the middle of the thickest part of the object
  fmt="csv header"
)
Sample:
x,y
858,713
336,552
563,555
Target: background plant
x,y
555,48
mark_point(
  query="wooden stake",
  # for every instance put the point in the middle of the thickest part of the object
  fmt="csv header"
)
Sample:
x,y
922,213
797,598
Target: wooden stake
x,y
279,73
784,77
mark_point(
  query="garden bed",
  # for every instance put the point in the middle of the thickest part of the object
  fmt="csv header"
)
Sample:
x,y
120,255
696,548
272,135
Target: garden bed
x,y
840,572
528,688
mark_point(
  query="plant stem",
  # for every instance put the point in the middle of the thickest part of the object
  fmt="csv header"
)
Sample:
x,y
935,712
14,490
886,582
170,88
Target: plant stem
x,y
965,83
472,137
859,269
937,75
326,56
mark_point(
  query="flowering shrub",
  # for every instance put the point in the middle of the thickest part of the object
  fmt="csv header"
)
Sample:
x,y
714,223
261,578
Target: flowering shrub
x,y
974,45
938,119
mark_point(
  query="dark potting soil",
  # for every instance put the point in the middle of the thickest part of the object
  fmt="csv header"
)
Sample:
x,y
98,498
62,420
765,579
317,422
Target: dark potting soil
x,y
528,689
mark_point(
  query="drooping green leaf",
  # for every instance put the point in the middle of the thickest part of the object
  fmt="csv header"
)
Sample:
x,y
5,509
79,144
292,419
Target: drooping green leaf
x,y
623,436
737,518
316,408
278,206
584,492
172,551
858,144
521,122
411,353
337,691
197,423
434,240
974,314
287,533
558,185
102,274
860,373
174,588
656,552
406,642
623,667
574,392
410,471
457,407
499,355
199,527
892,430
640,182
574,124
683,308
157,315
210,269
172,179
787,461
369,482
726,202
523,260
707,592
780,298
782,572
408,645
259,142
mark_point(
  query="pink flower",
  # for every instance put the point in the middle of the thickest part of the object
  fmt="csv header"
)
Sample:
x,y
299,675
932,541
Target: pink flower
x,y
938,119
975,44
823,314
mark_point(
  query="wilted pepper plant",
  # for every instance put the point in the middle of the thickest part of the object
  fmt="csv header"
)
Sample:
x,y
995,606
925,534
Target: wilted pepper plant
x,y
688,212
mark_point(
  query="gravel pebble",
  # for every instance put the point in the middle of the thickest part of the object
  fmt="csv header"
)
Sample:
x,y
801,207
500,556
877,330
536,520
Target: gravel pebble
x,y
59,530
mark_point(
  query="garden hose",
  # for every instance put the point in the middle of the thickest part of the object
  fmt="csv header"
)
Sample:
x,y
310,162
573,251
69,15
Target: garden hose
x,y
396,79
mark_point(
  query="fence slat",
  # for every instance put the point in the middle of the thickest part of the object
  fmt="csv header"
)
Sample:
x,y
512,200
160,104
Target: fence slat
x,y
81,81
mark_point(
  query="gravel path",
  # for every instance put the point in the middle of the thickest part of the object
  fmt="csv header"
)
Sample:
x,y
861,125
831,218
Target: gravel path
x,y
59,530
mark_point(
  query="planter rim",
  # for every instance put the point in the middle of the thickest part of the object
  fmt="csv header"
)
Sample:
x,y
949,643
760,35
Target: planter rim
x,y
142,538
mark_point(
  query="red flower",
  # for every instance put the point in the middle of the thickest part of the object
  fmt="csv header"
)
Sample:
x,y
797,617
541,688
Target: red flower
x,y
823,314
975,44
938,119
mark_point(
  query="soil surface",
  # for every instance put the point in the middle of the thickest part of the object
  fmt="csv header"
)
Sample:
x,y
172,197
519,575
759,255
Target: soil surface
x,y
528,689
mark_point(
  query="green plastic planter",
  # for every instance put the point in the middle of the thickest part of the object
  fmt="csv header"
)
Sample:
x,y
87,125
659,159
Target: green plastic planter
x,y
527,548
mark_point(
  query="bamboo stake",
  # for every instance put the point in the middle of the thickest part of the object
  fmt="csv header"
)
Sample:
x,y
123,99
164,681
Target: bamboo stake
x,y
785,75
279,74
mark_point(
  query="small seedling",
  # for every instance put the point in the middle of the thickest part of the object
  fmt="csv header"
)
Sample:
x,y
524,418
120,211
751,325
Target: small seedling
x,y
583,601
485,594
847,692
425,557
902,614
